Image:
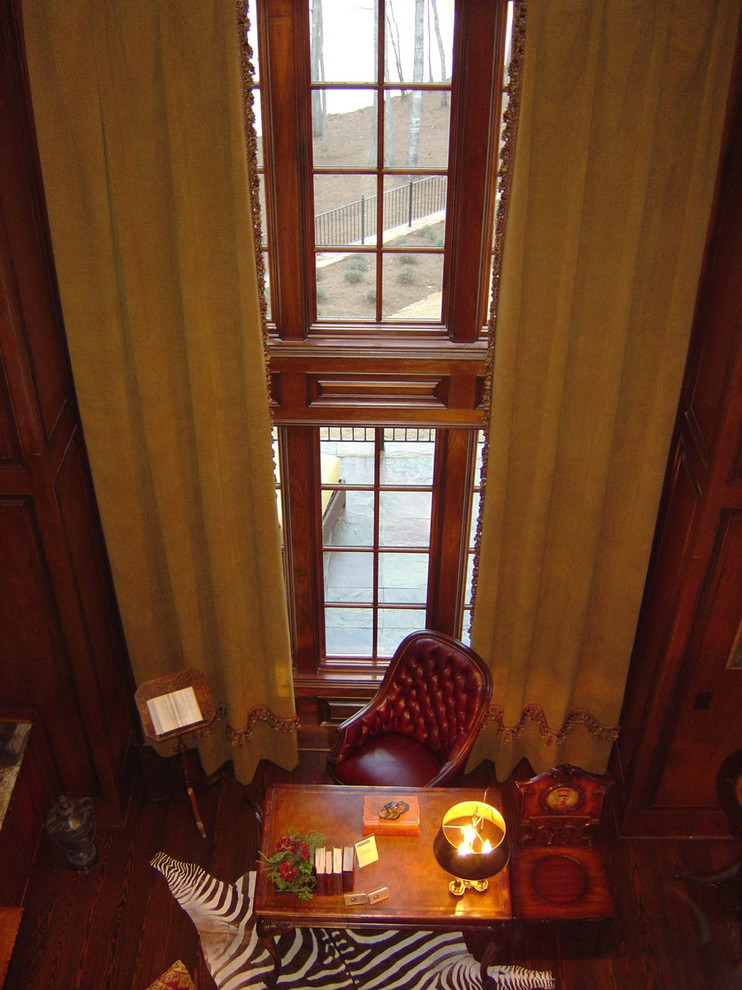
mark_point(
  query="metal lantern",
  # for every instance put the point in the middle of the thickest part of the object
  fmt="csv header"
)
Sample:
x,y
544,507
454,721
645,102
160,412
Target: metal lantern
x,y
71,823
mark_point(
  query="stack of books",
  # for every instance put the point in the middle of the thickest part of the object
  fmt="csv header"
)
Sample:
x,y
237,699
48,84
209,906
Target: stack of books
x,y
334,869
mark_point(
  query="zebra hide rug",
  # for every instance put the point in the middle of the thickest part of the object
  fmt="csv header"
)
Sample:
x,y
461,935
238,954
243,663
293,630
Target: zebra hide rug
x,y
321,958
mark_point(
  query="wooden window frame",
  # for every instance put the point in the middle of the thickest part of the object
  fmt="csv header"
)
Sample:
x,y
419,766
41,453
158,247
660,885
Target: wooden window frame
x,y
335,373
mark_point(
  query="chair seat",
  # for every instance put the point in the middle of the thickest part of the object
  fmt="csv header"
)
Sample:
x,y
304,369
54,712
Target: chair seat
x,y
390,759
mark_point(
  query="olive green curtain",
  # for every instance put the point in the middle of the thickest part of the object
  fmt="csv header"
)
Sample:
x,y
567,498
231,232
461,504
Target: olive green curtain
x,y
139,113
622,105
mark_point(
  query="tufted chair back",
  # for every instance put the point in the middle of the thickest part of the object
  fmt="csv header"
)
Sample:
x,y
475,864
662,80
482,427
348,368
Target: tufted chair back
x,y
419,728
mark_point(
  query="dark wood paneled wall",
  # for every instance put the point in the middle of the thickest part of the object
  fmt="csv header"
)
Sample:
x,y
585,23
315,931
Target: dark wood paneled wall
x,y
683,701
62,654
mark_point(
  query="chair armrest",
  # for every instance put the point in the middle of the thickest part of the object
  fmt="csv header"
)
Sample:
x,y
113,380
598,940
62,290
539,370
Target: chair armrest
x,y
356,730
455,762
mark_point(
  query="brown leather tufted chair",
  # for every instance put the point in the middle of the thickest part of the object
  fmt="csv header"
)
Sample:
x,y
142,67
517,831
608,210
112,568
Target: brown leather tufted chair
x,y
419,728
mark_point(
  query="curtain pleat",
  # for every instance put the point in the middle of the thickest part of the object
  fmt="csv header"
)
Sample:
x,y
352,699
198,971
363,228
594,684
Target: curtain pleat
x,y
140,120
621,116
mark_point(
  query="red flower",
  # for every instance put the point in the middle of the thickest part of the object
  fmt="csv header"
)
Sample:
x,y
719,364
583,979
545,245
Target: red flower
x,y
288,871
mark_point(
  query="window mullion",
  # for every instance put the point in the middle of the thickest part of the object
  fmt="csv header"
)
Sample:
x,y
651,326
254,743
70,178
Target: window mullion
x,y
286,97
476,98
455,457
378,447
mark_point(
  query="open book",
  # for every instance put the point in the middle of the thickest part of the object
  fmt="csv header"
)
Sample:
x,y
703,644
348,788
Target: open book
x,y
175,710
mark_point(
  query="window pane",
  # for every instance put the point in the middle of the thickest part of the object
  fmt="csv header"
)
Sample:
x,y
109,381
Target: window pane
x,y
252,40
355,448
394,625
469,575
419,48
333,23
480,455
355,524
277,473
348,632
474,519
407,462
349,576
344,209
346,286
426,232
344,128
257,110
466,633
416,129
414,210
261,207
412,287
404,519
403,578
266,269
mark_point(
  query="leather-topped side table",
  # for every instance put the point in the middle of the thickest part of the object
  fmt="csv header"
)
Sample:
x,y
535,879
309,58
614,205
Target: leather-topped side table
x,y
169,683
557,868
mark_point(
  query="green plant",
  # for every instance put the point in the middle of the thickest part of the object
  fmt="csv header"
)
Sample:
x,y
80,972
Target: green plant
x,y
353,276
406,274
433,234
291,867
407,259
356,262
371,296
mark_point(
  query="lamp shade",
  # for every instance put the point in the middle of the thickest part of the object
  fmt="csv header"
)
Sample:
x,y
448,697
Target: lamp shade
x,y
470,843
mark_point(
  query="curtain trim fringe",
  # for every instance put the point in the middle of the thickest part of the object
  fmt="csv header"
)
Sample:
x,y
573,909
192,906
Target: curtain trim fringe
x,y
511,117
251,140
535,713
260,713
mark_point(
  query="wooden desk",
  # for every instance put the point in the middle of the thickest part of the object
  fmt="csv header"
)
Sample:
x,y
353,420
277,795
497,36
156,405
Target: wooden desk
x,y
539,884
418,887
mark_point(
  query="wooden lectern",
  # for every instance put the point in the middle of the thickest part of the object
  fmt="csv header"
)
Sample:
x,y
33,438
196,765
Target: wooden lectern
x,y
177,704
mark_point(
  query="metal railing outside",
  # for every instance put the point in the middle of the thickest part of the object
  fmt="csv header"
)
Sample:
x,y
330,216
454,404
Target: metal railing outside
x,y
355,222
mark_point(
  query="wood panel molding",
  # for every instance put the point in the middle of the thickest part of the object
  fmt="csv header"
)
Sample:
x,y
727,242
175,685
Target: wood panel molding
x,y
378,390
421,380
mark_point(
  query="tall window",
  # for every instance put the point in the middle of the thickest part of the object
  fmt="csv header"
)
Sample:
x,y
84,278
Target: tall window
x,y
380,126
378,150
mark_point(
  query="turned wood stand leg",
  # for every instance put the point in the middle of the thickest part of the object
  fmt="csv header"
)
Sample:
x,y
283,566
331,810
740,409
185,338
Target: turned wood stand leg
x,y
189,787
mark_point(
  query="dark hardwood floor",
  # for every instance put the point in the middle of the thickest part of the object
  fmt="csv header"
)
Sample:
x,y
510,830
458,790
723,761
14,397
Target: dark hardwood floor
x,y
118,928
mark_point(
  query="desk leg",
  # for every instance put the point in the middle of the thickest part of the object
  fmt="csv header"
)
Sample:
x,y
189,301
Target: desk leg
x,y
486,946
189,787
267,932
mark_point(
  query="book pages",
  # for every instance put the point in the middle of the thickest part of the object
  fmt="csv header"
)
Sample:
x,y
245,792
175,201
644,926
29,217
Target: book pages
x,y
175,710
